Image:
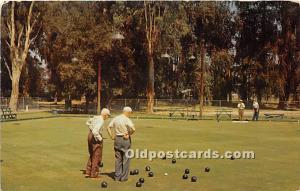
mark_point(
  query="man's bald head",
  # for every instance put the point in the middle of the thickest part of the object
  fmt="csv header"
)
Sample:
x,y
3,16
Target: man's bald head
x,y
127,111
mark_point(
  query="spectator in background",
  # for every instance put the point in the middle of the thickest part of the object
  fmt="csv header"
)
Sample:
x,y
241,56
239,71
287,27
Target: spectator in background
x,y
255,110
241,108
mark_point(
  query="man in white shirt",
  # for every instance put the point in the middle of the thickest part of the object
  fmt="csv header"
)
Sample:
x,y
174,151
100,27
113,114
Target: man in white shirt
x,y
241,107
123,128
95,143
255,110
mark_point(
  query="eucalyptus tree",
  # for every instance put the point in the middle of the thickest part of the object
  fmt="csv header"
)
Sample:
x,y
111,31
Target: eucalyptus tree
x,y
213,27
77,36
19,21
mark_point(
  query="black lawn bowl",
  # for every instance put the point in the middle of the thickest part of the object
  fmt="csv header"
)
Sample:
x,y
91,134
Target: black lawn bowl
x,y
136,171
185,176
101,164
131,172
150,174
187,171
174,161
104,184
207,169
147,168
141,180
138,184
194,179
164,158
232,158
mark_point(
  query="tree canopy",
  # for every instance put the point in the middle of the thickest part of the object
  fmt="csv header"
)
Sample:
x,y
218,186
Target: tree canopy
x,y
248,48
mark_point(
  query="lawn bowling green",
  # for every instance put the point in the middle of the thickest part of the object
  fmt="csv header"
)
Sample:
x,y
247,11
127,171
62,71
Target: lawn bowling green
x,y
48,154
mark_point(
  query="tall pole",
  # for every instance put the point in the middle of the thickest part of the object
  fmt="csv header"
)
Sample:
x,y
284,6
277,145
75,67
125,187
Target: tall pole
x,y
99,88
201,81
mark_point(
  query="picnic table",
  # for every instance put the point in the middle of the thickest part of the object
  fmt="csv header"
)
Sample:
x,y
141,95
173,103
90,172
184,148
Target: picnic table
x,y
223,112
7,114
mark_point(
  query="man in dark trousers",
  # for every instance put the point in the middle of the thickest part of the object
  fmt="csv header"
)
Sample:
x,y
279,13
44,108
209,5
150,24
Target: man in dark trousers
x,y
123,128
95,143
255,110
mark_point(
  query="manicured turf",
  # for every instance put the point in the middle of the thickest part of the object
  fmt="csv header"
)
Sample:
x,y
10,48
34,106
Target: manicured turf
x,y
48,154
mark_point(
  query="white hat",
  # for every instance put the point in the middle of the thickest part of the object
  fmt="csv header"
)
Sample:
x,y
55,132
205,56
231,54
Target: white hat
x,y
105,111
127,109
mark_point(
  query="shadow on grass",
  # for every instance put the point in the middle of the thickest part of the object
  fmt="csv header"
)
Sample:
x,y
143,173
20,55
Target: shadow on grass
x,y
83,171
148,127
108,174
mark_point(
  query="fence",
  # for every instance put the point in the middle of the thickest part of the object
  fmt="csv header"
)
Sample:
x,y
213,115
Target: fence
x,y
161,106
185,108
24,103
173,104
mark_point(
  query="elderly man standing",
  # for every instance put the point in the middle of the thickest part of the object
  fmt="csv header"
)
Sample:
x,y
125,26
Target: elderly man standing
x,y
241,108
123,129
95,143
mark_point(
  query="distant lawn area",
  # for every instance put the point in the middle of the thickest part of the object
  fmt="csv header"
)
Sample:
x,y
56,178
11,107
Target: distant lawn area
x,y
48,154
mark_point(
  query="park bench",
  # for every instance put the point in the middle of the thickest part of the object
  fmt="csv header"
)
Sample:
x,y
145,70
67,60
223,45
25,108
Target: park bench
x,y
273,115
172,113
192,115
223,112
189,115
7,114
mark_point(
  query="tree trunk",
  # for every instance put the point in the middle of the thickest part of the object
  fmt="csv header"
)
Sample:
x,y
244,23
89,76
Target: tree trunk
x,y
298,55
150,85
229,96
87,102
298,37
259,96
99,89
281,104
201,87
18,51
13,103
26,86
68,104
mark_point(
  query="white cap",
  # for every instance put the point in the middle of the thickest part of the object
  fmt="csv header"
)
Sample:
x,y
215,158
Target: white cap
x,y
127,109
105,111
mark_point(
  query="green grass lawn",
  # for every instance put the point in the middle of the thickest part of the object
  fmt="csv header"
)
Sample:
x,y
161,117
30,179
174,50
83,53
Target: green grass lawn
x,y
48,154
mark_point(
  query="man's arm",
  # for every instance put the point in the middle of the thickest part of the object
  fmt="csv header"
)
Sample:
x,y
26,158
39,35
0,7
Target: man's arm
x,y
131,128
108,128
131,131
88,122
